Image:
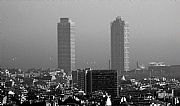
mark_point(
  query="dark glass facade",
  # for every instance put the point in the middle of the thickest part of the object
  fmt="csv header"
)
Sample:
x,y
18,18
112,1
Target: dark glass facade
x,y
105,80
66,54
117,44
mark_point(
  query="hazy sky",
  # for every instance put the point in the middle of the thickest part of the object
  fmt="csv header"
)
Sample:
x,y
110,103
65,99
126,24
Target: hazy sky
x,y
28,31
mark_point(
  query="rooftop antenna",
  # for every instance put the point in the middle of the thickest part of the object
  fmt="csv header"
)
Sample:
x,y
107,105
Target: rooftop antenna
x,y
109,64
137,64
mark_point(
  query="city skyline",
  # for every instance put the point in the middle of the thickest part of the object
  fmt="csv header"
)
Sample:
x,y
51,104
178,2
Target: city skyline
x,y
153,29
89,52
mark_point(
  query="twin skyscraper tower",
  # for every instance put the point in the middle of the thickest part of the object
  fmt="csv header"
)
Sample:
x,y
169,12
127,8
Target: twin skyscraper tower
x,y
119,45
66,45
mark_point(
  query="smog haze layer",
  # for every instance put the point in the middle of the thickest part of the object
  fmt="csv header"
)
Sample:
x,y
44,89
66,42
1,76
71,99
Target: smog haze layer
x,y
28,31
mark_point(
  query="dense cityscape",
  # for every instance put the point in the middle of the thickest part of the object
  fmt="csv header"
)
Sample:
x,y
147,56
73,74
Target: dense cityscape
x,y
86,88
153,85
89,53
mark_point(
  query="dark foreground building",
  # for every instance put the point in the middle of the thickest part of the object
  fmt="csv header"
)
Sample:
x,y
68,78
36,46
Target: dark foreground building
x,y
95,80
105,80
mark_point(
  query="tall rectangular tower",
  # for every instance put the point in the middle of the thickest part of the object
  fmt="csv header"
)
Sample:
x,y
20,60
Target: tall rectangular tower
x,y
66,45
119,52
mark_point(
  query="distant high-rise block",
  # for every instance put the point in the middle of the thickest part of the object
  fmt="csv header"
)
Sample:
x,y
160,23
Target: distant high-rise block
x,y
81,80
66,45
119,45
75,78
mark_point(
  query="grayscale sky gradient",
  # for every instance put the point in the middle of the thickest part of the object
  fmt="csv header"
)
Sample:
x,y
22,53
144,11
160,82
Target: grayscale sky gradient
x,y
28,31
